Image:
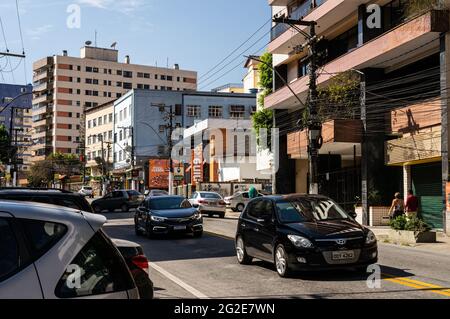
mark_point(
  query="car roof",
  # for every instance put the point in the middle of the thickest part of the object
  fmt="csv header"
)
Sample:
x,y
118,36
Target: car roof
x,y
53,191
167,196
208,192
34,210
294,197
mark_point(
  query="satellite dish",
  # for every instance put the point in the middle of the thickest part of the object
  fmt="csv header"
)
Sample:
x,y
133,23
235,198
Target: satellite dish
x,y
114,45
88,43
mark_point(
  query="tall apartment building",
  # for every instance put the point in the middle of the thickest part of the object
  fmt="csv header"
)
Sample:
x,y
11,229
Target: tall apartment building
x,y
399,138
20,110
66,86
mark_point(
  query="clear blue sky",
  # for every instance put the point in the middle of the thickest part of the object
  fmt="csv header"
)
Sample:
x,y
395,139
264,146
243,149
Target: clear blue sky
x,y
197,34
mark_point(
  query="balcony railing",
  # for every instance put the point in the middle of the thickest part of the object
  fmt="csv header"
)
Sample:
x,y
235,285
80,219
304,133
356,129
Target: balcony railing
x,y
302,11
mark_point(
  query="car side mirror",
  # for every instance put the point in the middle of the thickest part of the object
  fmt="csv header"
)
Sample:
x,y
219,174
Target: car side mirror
x,y
353,214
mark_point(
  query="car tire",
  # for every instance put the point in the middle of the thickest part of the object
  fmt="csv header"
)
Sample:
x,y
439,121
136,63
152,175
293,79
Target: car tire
x,y
198,234
149,231
240,207
222,215
281,262
137,230
241,253
233,210
124,208
97,209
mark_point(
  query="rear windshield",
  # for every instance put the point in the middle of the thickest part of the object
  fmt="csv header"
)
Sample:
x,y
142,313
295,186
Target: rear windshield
x,y
87,188
133,193
168,203
306,210
210,195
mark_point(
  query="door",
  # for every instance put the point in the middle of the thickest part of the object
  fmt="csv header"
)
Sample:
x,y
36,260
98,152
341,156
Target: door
x,y
265,230
247,228
105,202
427,185
18,277
141,211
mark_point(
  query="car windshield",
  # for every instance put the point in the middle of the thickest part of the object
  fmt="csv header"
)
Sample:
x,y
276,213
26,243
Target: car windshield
x,y
133,193
210,195
169,203
312,209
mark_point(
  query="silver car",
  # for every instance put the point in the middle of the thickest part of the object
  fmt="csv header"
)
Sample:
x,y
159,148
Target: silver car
x,y
52,252
238,201
209,203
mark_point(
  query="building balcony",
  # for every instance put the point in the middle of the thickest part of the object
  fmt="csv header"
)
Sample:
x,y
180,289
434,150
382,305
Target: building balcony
x,y
44,98
413,38
42,75
414,117
414,149
40,87
283,37
339,137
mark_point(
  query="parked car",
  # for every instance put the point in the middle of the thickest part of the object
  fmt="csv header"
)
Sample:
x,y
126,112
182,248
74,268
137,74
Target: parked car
x,y
156,192
121,199
167,214
302,232
57,197
209,203
51,252
138,264
238,201
86,191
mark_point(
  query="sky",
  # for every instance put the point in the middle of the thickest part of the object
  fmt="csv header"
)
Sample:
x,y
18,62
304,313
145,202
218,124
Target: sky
x,y
196,34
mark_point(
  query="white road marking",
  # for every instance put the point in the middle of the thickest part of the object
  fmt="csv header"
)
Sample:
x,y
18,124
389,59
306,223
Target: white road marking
x,y
179,282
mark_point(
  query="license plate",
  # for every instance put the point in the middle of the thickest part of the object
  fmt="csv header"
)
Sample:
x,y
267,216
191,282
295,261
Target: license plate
x,y
212,203
342,255
179,227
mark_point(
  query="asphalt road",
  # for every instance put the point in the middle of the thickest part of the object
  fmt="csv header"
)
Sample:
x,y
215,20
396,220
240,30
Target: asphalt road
x,y
185,267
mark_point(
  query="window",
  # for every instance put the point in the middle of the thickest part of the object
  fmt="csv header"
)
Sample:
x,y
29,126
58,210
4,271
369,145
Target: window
x,y
120,135
88,81
89,140
119,84
169,78
9,250
119,72
100,121
102,268
120,115
237,111
127,74
178,110
110,117
215,111
194,111
105,119
89,124
127,86
147,75
110,135
253,109
88,69
163,77
146,87
43,235
140,75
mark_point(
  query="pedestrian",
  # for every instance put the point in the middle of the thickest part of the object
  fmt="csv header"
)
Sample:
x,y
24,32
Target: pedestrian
x,y
397,208
252,193
412,205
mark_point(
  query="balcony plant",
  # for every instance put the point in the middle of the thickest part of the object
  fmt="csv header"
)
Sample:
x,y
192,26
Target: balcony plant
x,y
409,231
415,7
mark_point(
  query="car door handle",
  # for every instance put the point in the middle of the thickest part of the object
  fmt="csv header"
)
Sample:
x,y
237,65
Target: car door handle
x,y
243,225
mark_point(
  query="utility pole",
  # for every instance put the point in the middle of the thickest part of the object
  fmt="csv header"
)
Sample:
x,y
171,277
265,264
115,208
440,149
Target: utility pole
x,y
14,158
170,143
314,123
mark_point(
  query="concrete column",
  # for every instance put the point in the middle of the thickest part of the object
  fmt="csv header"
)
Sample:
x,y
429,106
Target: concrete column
x,y
445,84
407,182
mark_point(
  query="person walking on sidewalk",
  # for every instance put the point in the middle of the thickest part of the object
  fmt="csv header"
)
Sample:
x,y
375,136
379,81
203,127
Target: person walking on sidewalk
x,y
397,208
412,205
252,193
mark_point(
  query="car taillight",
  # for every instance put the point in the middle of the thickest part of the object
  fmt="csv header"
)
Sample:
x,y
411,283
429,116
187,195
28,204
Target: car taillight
x,y
140,262
202,201
222,202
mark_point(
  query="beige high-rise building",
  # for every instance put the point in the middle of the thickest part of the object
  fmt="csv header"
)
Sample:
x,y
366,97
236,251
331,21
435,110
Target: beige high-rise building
x,y
66,86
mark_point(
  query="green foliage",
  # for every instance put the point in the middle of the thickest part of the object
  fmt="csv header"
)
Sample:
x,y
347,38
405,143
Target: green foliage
x,y
415,224
40,174
4,144
398,223
374,197
414,7
263,119
266,72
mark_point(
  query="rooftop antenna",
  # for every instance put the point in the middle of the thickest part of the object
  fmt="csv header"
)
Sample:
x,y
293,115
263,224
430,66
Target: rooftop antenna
x,y
95,38
167,62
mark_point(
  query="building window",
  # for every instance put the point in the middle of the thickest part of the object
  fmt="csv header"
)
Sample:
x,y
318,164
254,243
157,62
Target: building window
x,y
178,109
110,117
127,74
194,111
88,69
127,86
119,84
253,109
100,121
89,124
169,78
146,75
94,123
237,111
163,77
119,72
215,111
120,135
146,87
140,75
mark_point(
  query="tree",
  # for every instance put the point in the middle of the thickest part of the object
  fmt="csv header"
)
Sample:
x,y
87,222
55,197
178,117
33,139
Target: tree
x,y
4,144
266,72
40,174
263,119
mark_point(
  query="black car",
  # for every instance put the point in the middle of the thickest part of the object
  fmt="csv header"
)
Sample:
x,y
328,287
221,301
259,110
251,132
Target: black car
x,y
156,192
120,199
303,232
167,214
52,196
138,264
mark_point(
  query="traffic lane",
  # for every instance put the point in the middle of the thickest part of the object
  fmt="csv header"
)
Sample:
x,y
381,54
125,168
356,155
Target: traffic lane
x,y
209,265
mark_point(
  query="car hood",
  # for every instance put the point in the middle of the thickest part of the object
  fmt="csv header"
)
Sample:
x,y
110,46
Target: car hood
x,y
329,229
174,213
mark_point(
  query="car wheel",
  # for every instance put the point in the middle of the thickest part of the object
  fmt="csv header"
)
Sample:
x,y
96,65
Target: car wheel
x,y
124,208
240,207
137,230
241,252
222,215
149,231
281,262
198,234
97,209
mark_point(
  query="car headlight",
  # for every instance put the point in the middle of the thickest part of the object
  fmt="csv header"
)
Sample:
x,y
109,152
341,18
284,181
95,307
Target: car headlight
x,y
197,215
300,242
370,238
157,218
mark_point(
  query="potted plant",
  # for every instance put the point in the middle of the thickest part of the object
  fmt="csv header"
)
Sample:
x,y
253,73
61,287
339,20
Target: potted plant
x,y
406,230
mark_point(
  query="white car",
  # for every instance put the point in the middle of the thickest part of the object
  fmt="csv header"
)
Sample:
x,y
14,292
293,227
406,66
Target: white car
x,y
238,201
209,203
52,252
86,191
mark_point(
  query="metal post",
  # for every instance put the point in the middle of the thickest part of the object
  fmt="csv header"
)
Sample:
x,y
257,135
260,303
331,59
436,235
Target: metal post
x,y
364,168
170,143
